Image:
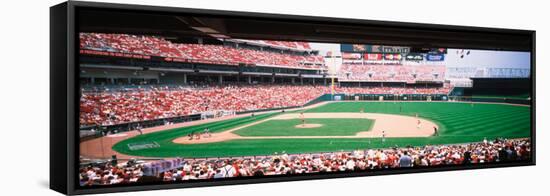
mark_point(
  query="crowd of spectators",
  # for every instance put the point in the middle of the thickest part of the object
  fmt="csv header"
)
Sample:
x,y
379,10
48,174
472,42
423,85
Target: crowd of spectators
x,y
109,172
203,53
108,108
157,102
396,73
287,44
231,55
445,89
496,151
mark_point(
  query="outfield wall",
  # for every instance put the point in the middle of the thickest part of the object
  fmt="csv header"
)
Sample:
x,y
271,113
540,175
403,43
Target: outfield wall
x,y
502,100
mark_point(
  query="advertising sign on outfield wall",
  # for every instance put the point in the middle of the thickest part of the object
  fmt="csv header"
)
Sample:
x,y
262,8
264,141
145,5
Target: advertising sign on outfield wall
x,y
414,57
351,55
435,57
371,56
393,56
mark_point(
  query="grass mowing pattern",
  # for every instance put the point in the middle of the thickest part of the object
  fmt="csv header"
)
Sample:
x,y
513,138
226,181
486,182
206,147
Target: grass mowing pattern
x,y
459,123
331,127
454,119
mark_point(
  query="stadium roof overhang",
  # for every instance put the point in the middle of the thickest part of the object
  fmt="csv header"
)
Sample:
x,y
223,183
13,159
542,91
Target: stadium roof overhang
x,y
243,25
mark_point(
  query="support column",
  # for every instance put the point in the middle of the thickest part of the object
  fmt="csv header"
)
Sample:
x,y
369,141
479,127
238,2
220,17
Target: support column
x,y
302,81
92,80
249,79
272,79
184,78
220,79
325,81
292,80
112,80
313,81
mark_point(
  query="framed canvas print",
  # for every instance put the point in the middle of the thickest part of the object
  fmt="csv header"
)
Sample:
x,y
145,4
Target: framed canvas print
x,y
146,97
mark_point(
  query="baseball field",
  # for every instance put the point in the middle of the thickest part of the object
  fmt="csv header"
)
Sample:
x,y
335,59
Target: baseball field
x,y
337,126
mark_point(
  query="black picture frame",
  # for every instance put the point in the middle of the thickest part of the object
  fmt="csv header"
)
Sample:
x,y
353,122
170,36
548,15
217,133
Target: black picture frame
x,y
64,91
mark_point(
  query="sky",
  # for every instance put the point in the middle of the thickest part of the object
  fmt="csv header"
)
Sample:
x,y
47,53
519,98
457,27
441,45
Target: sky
x,y
488,58
325,47
476,58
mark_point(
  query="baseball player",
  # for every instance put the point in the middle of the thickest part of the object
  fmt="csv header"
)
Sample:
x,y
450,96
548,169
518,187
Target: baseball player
x,y
302,119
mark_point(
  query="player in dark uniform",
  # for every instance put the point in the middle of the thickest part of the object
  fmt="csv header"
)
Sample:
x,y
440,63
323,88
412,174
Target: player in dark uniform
x,y
303,119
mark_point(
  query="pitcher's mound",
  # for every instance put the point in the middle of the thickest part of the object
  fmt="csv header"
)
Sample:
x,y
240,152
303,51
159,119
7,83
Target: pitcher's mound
x,y
308,125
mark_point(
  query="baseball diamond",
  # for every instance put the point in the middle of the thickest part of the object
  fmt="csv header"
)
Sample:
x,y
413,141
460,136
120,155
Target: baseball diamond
x,y
457,123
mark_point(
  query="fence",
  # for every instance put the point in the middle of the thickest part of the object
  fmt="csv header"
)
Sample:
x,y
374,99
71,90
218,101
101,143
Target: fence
x,y
491,100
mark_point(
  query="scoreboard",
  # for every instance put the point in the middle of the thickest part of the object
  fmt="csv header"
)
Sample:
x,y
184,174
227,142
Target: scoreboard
x,y
379,52
367,48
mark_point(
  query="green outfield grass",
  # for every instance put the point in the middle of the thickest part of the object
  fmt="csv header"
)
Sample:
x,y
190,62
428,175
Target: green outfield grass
x,y
331,127
459,123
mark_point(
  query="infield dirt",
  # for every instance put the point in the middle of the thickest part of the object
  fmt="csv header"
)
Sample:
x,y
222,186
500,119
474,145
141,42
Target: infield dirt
x,y
385,125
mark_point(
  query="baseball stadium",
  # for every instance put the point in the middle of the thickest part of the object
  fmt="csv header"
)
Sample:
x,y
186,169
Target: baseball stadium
x,y
159,108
